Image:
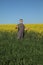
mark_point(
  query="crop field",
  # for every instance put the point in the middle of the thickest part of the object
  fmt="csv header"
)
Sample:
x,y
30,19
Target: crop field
x,y
30,27
28,51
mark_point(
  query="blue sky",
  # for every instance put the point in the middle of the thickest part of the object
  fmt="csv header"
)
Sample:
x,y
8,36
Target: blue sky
x,y
31,11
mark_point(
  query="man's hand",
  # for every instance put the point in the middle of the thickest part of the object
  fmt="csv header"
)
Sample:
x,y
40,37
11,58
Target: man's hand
x,y
16,27
26,29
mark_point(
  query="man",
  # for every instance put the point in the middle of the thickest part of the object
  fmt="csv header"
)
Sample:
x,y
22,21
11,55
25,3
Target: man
x,y
21,28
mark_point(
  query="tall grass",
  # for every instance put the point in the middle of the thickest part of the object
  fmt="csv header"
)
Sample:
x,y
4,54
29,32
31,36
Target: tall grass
x,y
28,51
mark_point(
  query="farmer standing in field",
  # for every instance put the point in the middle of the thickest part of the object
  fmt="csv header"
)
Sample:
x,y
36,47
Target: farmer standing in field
x,y
20,28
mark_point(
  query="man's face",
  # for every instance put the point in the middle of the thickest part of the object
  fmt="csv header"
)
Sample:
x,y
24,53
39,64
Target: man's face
x,y
21,21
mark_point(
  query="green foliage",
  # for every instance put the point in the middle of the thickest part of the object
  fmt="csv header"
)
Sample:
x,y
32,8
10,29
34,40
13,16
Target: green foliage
x,y
28,51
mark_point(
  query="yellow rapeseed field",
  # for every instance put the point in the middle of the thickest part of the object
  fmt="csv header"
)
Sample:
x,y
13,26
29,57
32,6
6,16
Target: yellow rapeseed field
x,y
29,27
